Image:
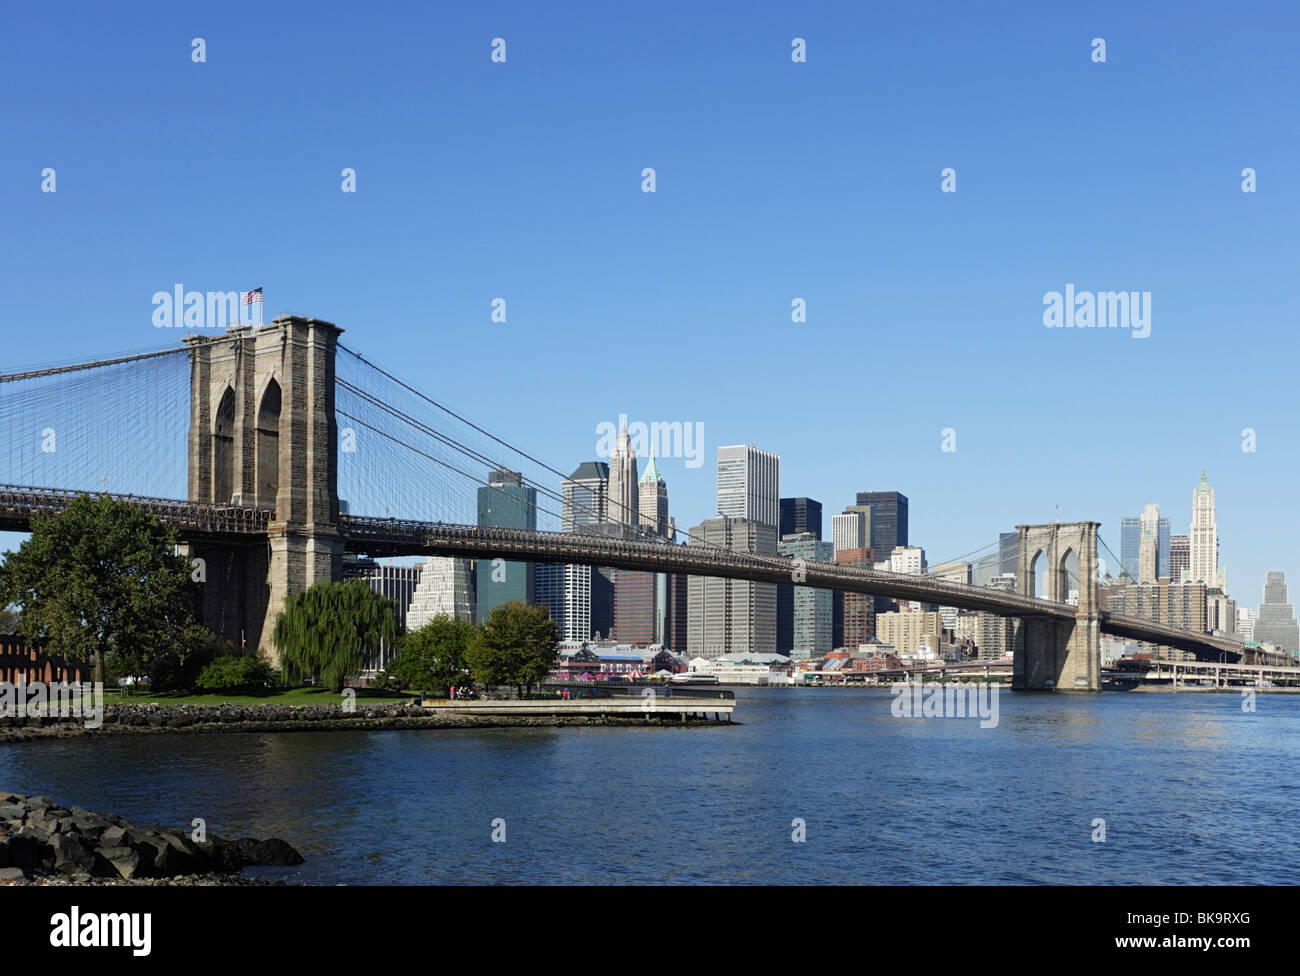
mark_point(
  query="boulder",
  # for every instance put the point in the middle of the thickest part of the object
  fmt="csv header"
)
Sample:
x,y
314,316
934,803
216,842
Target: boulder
x,y
12,874
122,861
71,856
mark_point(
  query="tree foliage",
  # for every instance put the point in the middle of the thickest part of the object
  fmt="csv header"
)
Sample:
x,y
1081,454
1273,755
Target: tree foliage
x,y
332,631
101,577
516,645
236,672
433,657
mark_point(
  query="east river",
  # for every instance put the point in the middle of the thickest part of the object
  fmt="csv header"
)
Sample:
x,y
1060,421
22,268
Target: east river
x,y
1191,789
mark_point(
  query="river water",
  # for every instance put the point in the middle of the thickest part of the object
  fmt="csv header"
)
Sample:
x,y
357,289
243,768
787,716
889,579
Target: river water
x,y
1192,789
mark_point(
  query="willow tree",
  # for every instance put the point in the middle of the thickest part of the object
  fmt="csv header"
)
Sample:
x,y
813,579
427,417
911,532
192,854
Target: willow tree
x,y
332,631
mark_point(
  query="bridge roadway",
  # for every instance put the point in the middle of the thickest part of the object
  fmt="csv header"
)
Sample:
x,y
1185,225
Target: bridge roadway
x,y
399,537
395,537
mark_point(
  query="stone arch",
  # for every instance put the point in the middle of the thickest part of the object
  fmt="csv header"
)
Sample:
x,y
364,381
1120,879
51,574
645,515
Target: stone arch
x,y
1065,575
223,448
1038,582
267,456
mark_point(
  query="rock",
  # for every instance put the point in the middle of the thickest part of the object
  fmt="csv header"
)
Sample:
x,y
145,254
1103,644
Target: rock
x,y
12,874
236,854
12,811
122,860
112,836
71,856
4,852
28,849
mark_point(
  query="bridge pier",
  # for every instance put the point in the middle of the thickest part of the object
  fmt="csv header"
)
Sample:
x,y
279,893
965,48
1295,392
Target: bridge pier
x,y
1052,654
263,435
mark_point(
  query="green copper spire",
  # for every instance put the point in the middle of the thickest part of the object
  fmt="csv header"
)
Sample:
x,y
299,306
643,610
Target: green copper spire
x,y
652,470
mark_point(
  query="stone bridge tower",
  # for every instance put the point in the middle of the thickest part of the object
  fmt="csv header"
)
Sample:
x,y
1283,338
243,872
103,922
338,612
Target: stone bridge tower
x,y
263,435
1056,654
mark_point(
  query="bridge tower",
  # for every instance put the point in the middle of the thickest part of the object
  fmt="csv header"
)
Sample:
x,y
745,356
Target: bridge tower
x,y
263,435
1051,654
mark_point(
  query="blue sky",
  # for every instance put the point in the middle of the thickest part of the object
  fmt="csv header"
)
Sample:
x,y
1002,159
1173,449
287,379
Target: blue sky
x,y
775,180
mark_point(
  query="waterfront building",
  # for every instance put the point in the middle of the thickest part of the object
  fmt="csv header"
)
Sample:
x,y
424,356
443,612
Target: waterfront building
x,y
1276,621
914,633
804,613
445,589
727,616
859,609
800,515
1246,624
506,502
749,485
1220,614
1180,604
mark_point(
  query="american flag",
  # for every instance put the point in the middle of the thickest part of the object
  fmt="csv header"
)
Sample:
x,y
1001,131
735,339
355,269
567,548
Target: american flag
x,y
254,296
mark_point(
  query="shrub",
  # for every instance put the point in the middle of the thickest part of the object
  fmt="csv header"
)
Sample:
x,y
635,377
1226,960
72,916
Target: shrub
x,y
237,672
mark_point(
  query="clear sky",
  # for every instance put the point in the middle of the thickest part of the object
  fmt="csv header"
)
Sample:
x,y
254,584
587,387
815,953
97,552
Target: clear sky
x,y
775,180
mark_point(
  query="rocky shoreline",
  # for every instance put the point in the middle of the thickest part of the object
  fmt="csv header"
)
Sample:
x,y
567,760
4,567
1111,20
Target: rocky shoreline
x,y
127,719
44,843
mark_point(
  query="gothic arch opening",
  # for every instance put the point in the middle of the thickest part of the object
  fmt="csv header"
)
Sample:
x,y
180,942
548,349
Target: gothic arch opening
x,y
268,446
223,449
1067,574
1038,573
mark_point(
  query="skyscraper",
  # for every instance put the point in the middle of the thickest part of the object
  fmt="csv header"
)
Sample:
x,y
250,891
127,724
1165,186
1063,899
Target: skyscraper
x,y
506,502
800,515
624,490
586,496
1180,556
1205,539
858,610
749,484
726,616
653,500
888,520
1276,622
1149,528
588,590
1131,533
445,589
849,531
810,608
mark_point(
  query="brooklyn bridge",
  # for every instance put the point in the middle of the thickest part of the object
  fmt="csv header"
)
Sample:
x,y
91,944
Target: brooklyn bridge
x,y
246,441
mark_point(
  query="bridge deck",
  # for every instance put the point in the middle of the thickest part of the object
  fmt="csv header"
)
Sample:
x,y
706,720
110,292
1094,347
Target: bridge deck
x,y
398,537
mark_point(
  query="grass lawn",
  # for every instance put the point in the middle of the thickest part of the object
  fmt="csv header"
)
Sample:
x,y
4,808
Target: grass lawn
x,y
289,696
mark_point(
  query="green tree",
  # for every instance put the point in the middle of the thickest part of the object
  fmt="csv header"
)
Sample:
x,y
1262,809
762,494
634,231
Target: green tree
x,y
516,645
101,577
433,657
332,630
